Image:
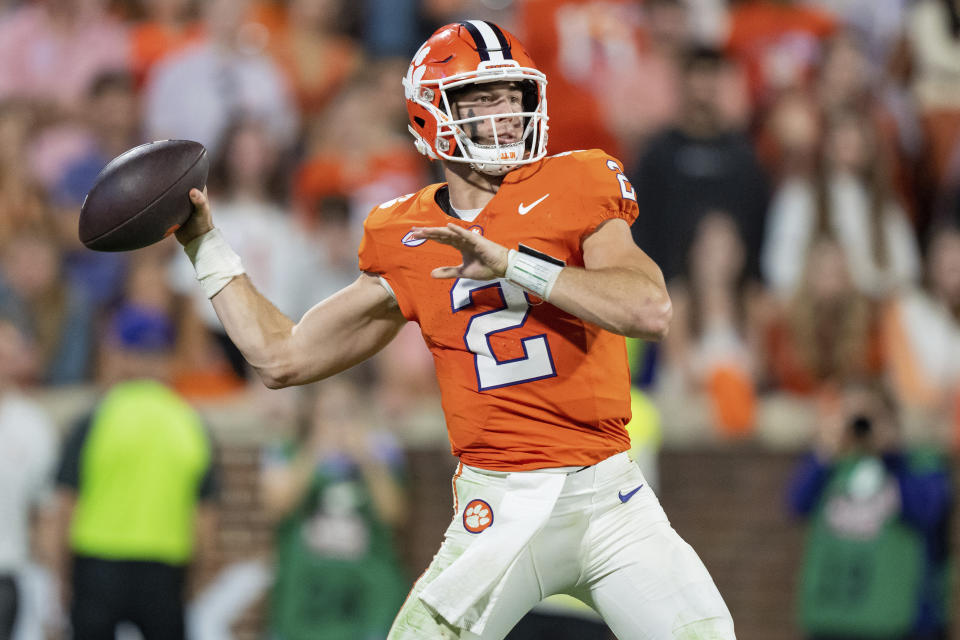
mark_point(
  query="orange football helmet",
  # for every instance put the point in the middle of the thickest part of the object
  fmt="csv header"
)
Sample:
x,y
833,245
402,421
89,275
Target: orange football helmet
x,y
465,53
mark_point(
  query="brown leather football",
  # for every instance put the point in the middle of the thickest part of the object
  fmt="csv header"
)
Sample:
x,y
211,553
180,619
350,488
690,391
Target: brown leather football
x,y
141,196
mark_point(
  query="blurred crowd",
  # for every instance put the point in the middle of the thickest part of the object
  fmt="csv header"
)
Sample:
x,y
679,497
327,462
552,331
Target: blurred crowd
x,y
797,165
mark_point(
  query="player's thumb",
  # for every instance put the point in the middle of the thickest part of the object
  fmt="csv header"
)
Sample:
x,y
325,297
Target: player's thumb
x,y
201,207
200,221
199,198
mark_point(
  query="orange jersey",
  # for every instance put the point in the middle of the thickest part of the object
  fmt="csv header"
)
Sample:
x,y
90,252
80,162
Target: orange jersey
x,y
524,385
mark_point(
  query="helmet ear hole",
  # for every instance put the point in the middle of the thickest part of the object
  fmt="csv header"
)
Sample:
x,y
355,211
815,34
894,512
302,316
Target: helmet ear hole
x,y
531,95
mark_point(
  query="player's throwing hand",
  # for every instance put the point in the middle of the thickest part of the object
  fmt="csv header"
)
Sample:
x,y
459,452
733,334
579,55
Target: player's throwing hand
x,y
200,222
483,259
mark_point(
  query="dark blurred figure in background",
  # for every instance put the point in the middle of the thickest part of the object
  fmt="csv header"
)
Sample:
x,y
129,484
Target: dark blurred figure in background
x,y
27,456
337,498
393,27
135,490
56,314
700,165
875,565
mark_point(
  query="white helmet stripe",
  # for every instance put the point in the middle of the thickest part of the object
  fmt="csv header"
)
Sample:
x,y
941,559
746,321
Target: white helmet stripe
x,y
490,40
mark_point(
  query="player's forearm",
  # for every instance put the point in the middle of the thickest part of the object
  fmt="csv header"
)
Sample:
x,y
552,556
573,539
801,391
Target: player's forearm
x,y
267,338
258,329
622,300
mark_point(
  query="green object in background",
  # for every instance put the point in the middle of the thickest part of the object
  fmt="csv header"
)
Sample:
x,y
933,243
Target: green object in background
x,y
863,565
635,350
337,574
140,471
644,427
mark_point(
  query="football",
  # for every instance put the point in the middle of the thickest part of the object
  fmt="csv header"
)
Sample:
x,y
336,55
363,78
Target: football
x,y
142,195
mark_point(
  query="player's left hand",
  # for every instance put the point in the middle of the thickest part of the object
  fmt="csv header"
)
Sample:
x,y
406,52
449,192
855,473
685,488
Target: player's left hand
x,y
483,259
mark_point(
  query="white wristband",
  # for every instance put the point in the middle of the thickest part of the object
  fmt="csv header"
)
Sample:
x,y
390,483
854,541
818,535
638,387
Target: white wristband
x,y
215,262
533,274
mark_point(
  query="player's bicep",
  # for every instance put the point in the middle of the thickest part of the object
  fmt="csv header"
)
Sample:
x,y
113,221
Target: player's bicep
x,y
611,245
344,329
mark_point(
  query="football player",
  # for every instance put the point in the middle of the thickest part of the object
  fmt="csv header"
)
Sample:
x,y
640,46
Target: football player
x,y
522,274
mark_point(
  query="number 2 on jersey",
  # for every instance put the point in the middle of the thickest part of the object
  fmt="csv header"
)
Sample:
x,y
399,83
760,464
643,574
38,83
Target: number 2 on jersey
x,y
536,362
626,189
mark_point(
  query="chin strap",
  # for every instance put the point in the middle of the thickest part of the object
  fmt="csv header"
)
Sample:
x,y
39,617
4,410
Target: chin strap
x,y
492,170
483,158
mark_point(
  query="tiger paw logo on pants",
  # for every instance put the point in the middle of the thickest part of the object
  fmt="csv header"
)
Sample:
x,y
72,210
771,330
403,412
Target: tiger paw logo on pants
x,y
477,516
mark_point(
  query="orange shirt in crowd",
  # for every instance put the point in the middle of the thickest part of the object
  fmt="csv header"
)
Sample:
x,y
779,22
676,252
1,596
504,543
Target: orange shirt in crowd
x,y
580,45
316,64
327,174
524,385
395,167
777,43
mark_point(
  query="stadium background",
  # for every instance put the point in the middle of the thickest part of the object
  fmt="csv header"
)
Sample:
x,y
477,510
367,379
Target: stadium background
x,y
309,107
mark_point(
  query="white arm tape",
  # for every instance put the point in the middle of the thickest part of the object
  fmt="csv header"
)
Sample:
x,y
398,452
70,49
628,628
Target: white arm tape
x,y
215,262
533,274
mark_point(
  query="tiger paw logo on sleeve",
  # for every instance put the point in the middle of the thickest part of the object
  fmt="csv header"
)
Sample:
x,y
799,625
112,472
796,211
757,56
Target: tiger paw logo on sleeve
x,y
477,516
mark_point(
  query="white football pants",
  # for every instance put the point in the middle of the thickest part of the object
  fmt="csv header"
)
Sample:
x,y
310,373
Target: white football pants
x,y
620,557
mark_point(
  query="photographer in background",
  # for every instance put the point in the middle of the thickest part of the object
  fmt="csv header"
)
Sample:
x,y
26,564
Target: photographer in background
x,y
875,561
337,498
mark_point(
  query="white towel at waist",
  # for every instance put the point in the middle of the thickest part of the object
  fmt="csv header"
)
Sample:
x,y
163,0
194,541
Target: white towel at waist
x,y
466,591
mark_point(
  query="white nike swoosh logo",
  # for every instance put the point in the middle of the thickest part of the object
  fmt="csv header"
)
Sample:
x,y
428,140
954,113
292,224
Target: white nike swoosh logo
x,y
522,210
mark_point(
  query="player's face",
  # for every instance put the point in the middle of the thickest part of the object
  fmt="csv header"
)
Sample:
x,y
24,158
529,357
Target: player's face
x,y
487,99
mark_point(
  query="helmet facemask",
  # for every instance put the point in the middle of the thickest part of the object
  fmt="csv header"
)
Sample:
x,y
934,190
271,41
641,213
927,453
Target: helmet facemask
x,y
455,132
